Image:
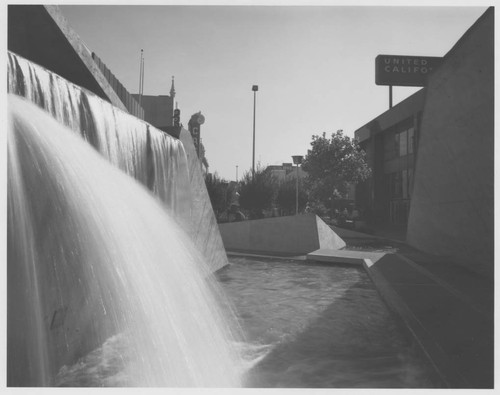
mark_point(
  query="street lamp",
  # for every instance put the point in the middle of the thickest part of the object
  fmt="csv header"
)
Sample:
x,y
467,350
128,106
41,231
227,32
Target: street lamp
x,y
255,88
297,159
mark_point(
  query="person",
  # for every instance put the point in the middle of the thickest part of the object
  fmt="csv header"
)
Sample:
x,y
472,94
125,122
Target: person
x,y
235,214
355,213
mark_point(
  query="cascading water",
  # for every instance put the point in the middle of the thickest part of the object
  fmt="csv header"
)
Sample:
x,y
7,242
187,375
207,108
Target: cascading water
x,y
91,254
150,156
93,259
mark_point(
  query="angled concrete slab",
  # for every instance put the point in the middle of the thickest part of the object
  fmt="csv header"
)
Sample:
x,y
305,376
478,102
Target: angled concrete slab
x,y
345,256
286,236
203,225
456,336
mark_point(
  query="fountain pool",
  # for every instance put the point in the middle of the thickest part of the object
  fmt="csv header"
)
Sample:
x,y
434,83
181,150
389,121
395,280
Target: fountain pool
x,y
96,260
324,326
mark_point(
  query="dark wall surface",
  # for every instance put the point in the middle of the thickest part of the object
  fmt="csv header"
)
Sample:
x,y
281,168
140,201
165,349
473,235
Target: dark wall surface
x,y
453,197
41,34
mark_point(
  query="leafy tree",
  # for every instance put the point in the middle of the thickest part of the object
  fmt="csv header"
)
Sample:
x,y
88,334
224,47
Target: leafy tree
x,y
257,193
332,164
287,195
219,191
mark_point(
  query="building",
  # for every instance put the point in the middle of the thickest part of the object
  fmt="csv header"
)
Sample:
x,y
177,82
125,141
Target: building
x,y
285,172
158,110
390,142
432,157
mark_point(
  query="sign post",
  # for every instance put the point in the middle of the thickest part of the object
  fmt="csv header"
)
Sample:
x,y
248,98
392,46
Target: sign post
x,y
398,70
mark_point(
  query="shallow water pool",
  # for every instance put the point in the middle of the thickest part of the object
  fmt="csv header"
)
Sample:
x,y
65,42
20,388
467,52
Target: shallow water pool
x,y
309,325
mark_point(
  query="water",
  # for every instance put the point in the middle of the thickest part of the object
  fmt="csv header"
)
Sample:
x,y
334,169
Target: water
x,y
101,273
99,269
147,154
319,326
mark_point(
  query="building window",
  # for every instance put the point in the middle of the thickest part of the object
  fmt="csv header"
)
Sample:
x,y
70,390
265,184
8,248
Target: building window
x,y
405,142
395,185
411,140
401,184
396,143
404,184
410,182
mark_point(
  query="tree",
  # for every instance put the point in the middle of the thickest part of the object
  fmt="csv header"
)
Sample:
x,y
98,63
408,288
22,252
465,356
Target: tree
x,y
332,164
220,193
257,193
287,196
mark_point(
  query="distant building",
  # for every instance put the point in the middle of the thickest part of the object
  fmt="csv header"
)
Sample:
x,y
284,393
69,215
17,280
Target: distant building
x,y
158,110
155,110
285,172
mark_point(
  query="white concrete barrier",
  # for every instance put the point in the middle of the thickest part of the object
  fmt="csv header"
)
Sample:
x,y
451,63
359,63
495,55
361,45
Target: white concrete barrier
x,y
287,236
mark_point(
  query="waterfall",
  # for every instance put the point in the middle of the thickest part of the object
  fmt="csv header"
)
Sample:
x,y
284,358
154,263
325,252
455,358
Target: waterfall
x,y
151,156
94,259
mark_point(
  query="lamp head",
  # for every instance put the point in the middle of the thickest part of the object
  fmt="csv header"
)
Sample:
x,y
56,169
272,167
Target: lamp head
x,y
297,159
255,88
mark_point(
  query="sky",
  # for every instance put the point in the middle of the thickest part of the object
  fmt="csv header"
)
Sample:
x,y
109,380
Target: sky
x,y
314,65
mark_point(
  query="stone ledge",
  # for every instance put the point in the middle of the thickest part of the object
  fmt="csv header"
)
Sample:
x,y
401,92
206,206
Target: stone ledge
x,y
345,256
455,337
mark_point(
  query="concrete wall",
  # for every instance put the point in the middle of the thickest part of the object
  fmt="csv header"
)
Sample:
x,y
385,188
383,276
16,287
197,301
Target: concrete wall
x,y
203,227
41,34
287,236
453,197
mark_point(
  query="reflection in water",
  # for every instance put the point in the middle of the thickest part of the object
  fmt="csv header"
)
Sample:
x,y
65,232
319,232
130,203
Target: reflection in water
x,y
320,326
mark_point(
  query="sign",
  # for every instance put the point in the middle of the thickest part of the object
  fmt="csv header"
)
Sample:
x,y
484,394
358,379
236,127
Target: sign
x,y
177,117
404,70
194,128
195,134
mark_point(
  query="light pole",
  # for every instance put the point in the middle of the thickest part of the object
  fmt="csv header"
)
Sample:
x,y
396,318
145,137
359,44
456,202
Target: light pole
x,y
236,173
255,88
297,159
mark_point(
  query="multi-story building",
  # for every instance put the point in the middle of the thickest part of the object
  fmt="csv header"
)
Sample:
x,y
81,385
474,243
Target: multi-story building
x,y
390,142
432,156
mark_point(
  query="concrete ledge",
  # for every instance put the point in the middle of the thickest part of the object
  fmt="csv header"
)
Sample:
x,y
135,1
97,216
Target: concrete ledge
x,y
294,258
41,34
292,235
344,256
457,339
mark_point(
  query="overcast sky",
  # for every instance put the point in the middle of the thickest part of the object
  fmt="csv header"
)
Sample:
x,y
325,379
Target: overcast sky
x,y
315,66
